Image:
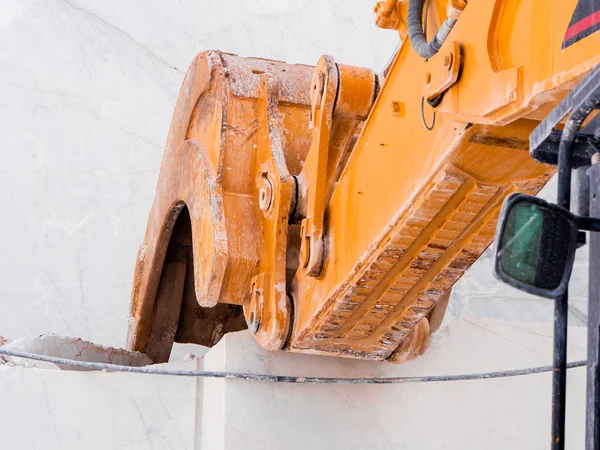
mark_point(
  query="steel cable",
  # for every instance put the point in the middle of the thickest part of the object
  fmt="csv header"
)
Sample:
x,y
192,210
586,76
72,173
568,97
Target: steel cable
x,y
152,370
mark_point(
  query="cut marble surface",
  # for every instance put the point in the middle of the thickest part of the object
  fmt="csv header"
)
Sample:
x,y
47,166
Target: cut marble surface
x,y
61,409
68,410
493,414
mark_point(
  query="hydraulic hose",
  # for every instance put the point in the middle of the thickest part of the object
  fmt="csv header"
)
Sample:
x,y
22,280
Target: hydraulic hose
x,y
417,36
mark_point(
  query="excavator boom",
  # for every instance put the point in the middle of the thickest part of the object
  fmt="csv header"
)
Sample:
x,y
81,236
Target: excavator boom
x,y
329,209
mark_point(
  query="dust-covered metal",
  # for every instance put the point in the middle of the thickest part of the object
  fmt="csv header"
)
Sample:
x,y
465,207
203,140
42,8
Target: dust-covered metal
x,y
238,124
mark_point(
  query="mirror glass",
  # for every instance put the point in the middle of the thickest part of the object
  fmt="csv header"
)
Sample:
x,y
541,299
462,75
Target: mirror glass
x,y
537,245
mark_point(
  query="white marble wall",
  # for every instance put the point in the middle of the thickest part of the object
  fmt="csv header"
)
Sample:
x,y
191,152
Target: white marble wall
x,y
87,89
68,410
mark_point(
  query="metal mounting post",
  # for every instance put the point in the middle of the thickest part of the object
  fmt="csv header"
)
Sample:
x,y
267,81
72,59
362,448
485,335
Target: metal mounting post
x,y
561,305
592,429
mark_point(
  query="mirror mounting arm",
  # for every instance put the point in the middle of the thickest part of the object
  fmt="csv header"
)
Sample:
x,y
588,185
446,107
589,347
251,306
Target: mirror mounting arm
x,y
588,223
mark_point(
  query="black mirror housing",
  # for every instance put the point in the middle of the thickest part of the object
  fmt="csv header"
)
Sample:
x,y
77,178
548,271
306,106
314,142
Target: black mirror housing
x,y
535,246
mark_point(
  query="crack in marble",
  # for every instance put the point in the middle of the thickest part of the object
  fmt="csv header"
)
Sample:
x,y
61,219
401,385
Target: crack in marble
x,y
500,335
73,98
255,17
121,31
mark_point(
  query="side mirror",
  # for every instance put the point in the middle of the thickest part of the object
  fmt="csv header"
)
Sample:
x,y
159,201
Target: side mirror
x,y
535,246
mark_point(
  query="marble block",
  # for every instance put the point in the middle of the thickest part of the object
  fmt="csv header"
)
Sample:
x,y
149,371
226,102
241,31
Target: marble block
x,y
68,410
488,414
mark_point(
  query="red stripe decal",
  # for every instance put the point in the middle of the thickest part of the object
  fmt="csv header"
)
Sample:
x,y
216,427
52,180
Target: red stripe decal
x,y
582,25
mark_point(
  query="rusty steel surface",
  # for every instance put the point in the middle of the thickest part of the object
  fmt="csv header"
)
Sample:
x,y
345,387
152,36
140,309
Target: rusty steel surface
x,y
313,204
207,241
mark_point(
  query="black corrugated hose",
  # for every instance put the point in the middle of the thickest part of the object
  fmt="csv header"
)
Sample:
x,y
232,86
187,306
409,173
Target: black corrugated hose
x,y
417,36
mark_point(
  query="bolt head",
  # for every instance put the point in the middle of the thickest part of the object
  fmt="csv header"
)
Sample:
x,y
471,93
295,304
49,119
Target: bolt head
x,y
256,309
265,193
304,254
448,61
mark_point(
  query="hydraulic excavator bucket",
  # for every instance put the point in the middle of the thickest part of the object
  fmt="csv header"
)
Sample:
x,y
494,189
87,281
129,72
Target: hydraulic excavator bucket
x,y
205,235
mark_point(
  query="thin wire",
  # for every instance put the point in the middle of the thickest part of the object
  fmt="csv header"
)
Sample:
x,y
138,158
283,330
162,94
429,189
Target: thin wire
x,y
427,127
151,370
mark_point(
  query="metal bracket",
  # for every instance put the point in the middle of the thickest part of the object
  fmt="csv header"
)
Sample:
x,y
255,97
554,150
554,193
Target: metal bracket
x,y
443,73
322,95
545,138
269,311
593,365
341,98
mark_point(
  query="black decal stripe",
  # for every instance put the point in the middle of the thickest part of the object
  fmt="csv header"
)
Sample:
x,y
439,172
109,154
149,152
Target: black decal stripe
x,y
585,21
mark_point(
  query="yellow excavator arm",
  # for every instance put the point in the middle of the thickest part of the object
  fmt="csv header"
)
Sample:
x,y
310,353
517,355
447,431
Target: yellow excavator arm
x,y
330,209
